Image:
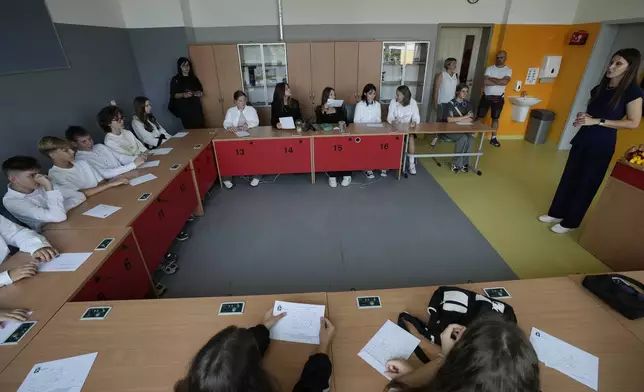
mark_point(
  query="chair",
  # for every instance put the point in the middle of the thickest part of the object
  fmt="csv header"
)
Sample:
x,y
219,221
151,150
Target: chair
x,y
350,110
441,116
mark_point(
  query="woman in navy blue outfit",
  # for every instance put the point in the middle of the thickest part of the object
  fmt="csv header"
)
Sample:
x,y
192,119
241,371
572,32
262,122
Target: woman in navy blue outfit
x,y
616,96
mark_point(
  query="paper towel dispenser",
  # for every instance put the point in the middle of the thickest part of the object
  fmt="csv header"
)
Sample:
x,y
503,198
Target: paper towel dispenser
x,y
550,67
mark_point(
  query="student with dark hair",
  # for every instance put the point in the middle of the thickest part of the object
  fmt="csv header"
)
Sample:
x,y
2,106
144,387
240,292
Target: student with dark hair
x,y
145,125
119,139
241,117
31,197
617,96
491,355
326,114
284,105
185,96
368,111
231,361
404,110
461,110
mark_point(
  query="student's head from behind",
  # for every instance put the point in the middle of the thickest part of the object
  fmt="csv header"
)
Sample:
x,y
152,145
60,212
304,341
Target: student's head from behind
x,y
462,91
282,92
79,138
56,148
229,362
21,172
368,94
501,57
111,119
240,99
403,95
327,93
450,64
184,66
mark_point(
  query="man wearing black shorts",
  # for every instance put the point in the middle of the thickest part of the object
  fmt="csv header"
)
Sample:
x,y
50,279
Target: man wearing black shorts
x,y
496,77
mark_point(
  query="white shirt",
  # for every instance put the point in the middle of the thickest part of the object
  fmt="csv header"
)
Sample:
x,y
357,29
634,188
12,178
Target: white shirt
x,y
403,114
22,238
147,137
367,113
233,114
125,143
80,176
499,73
447,89
108,163
41,206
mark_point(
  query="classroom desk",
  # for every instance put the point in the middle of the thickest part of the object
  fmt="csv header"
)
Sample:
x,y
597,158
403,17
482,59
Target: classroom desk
x,y
635,326
47,292
555,305
148,345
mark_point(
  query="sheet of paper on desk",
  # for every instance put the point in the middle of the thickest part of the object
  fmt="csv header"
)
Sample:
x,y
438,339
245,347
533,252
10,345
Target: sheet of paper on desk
x,y
566,358
64,262
376,125
150,164
161,151
390,342
287,122
101,211
242,133
62,375
142,179
179,135
301,323
463,123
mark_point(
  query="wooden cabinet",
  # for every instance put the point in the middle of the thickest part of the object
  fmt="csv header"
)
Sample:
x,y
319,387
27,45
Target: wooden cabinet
x,y
227,59
369,65
322,69
346,72
299,76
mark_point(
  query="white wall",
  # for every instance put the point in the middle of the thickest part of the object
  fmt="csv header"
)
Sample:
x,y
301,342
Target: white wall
x,y
222,13
543,11
152,13
608,10
86,12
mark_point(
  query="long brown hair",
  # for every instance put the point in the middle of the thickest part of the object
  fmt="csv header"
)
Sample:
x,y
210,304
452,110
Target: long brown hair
x,y
278,96
633,57
139,112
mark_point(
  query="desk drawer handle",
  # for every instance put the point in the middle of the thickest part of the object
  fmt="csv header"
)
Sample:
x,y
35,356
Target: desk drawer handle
x,y
127,264
250,142
397,137
301,142
358,140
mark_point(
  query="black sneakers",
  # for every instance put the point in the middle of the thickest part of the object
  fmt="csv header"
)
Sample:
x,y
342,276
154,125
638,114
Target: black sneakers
x,y
495,142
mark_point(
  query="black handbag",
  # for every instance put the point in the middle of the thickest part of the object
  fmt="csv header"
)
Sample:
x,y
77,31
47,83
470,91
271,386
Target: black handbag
x,y
624,294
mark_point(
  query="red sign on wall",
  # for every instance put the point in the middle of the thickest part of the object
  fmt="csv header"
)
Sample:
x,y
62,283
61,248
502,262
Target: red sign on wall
x,y
579,37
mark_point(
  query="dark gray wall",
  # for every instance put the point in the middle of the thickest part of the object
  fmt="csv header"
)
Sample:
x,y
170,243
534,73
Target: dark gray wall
x,y
156,51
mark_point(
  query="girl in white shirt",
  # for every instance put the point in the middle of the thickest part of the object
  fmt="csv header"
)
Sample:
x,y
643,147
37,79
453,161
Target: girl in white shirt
x,y
119,139
241,117
145,125
405,111
368,111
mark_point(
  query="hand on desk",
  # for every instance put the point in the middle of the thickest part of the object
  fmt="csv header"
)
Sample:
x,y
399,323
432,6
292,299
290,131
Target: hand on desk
x,y
327,332
44,254
270,320
397,367
23,272
13,315
118,181
139,160
231,129
447,341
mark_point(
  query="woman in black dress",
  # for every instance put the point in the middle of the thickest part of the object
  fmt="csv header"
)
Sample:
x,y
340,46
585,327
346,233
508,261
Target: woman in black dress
x,y
185,96
616,96
284,105
326,114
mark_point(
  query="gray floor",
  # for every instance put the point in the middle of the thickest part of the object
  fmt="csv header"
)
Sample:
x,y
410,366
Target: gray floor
x,y
290,236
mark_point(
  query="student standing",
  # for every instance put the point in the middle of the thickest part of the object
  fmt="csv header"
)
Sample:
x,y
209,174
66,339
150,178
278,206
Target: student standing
x,y
145,125
445,84
496,77
232,361
326,114
404,110
241,117
368,111
284,105
119,139
460,109
31,197
106,161
616,96
185,96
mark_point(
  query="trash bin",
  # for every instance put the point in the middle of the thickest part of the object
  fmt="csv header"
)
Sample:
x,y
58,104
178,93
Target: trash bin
x,y
539,125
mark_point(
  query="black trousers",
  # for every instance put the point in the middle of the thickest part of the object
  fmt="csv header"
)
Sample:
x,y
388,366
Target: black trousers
x,y
584,173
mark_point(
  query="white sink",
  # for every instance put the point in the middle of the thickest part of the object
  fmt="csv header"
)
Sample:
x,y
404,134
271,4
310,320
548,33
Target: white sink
x,y
524,101
521,107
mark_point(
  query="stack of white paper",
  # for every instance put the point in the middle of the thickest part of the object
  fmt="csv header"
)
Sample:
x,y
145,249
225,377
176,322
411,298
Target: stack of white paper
x,y
463,123
161,151
301,323
375,125
149,164
142,179
287,122
179,135
67,374
64,262
242,133
101,211
390,342
566,358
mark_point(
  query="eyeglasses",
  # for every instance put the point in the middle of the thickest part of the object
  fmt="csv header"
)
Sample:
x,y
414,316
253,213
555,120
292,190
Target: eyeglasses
x,y
118,119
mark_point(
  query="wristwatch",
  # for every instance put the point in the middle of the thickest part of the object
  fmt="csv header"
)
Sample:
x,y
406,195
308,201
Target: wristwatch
x,y
602,121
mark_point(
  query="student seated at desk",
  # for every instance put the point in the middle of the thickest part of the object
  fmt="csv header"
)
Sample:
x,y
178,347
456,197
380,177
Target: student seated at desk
x,y
405,111
75,175
284,105
119,139
145,125
368,111
107,162
461,110
241,117
27,241
232,361
326,114
490,355
31,197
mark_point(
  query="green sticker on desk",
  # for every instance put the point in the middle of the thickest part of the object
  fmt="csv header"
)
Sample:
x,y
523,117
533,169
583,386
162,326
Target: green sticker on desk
x,y
368,302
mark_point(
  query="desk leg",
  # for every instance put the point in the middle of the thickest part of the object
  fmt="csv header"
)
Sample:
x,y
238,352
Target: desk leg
x,y
221,181
405,148
478,157
312,160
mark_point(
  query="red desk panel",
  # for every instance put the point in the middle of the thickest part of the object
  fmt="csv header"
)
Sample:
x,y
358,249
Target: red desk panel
x,y
269,156
339,153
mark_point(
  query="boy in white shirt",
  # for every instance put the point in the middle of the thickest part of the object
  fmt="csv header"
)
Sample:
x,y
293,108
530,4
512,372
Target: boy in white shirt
x,y
31,197
106,161
76,175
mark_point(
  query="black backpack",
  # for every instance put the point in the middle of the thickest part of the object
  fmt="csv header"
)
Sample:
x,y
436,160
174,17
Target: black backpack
x,y
619,292
453,305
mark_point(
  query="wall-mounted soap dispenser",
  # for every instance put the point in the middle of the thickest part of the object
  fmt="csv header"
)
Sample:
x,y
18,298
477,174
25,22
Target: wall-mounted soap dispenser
x,y
550,67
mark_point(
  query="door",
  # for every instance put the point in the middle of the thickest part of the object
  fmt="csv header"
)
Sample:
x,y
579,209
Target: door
x,y
346,71
369,64
463,44
322,68
203,61
228,73
299,76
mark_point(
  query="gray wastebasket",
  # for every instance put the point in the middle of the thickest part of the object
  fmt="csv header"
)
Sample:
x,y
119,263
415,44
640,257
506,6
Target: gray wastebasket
x,y
539,125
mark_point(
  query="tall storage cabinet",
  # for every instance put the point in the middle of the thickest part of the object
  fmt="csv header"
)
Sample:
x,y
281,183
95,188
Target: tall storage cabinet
x,y
403,63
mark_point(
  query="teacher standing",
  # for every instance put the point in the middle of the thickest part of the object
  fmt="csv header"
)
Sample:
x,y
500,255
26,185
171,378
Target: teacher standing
x,y
616,96
185,96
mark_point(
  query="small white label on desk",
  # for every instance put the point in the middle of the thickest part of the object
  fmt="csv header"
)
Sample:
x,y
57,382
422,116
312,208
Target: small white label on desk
x,y
375,125
179,135
150,164
101,211
161,151
142,179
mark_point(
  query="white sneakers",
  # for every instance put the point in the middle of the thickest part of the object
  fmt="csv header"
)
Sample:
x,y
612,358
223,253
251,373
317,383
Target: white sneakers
x,y
346,180
383,173
254,182
412,168
333,182
557,228
228,184
369,174
549,219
